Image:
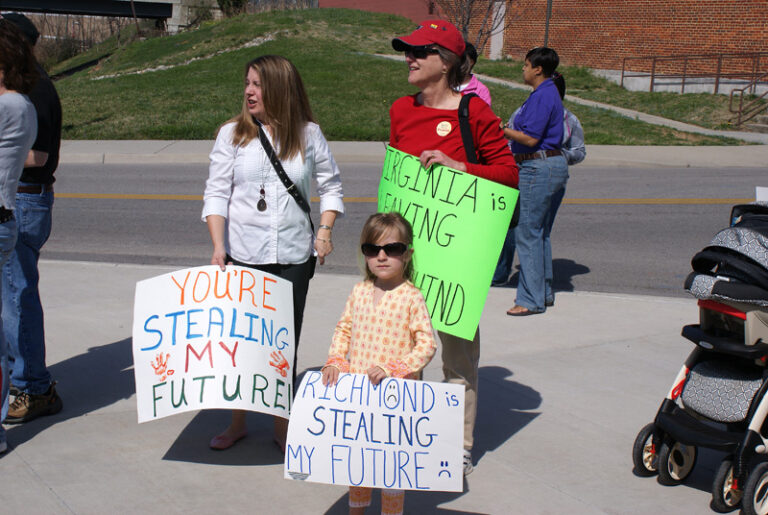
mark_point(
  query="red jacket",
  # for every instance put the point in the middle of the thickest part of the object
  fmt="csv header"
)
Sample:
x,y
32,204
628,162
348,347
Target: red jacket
x,y
415,128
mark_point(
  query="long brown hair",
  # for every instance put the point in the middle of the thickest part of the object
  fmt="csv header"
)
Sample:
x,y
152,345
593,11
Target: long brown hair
x,y
456,66
286,106
378,224
17,61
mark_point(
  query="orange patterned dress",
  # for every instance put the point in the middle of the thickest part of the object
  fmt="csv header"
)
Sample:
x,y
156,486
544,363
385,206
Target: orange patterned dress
x,y
395,334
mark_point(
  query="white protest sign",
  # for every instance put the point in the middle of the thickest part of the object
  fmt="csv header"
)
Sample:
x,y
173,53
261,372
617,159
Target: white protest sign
x,y
400,434
203,338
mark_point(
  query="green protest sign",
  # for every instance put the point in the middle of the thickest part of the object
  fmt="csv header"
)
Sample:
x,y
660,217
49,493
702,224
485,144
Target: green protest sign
x,y
459,225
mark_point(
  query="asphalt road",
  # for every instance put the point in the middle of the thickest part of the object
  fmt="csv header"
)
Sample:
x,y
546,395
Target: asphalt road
x,y
628,230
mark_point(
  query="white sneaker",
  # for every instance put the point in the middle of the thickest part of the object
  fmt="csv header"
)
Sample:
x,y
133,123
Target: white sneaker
x,y
468,468
3,447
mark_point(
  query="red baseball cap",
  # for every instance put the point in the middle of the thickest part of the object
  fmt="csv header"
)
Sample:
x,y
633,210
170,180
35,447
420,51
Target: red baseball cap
x,y
432,32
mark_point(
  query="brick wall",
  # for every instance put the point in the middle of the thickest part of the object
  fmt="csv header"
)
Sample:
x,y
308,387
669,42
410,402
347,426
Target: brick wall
x,y
417,10
600,33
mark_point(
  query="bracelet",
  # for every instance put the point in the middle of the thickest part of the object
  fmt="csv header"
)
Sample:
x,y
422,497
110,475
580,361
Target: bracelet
x,y
323,226
323,239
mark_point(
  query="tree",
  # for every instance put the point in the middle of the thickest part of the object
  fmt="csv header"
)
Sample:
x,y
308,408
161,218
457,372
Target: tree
x,y
487,17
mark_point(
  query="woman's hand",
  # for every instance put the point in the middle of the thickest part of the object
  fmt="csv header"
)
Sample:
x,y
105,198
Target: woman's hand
x,y
376,375
433,157
219,258
323,246
330,375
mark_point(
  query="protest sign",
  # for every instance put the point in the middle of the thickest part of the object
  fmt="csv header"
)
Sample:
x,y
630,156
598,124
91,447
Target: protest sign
x,y
400,434
459,225
206,338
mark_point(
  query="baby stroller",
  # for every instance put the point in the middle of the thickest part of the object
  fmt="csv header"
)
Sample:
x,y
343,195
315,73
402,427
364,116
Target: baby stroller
x,y
718,399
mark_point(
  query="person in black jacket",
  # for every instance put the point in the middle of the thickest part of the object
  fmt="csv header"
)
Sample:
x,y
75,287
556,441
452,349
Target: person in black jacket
x,y
31,382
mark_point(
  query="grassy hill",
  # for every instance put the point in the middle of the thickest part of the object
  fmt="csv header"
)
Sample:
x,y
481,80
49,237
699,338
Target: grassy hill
x,y
185,86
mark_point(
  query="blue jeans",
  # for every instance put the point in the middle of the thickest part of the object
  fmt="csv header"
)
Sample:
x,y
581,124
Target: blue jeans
x,y
540,181
554,205
506,258
22,311
7,241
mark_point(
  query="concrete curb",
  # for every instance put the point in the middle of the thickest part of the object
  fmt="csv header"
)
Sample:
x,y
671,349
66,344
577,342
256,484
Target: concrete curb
x,y
150,152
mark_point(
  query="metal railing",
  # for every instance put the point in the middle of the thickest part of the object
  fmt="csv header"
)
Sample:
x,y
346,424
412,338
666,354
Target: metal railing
x,y
717,67
754,107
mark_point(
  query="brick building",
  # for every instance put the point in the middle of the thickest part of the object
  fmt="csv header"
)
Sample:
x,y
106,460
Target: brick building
x,y
600,33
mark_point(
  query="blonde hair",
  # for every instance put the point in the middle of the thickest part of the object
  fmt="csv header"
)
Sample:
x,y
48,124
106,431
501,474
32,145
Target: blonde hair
x,y
286,106
377,225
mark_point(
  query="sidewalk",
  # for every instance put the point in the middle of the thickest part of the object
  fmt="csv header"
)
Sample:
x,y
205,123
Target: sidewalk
x,y
563,394
559,411
196,152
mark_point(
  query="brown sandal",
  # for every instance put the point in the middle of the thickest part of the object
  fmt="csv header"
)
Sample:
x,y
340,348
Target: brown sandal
x,y
520,311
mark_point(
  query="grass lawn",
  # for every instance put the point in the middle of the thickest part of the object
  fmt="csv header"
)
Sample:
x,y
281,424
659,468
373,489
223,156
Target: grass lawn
x,y
350,89
702,109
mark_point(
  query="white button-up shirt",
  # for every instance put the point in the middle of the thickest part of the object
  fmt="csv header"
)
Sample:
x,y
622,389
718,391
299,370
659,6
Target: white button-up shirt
x,y
281,233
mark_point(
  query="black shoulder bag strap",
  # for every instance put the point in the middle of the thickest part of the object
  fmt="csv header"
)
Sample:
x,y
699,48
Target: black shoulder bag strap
x,y
466,130
287,182
469,145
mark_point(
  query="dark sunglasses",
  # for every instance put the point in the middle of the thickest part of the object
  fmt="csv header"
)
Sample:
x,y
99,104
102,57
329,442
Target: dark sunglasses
x,y
390,249
421,52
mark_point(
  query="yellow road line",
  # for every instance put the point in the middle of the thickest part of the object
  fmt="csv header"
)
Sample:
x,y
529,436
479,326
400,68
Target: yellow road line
x,y
152,196
655,201
127,196
372,200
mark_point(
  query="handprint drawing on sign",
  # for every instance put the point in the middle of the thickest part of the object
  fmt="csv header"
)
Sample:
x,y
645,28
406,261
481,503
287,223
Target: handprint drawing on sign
x,y
160,366
279,363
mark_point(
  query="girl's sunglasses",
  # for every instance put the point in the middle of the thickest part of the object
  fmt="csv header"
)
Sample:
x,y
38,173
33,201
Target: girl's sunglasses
x,y
421,52
390,249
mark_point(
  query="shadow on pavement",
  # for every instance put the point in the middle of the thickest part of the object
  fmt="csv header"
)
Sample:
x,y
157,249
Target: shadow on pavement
x,y
501,413
563,271
257,448
501,409
86,382
415,502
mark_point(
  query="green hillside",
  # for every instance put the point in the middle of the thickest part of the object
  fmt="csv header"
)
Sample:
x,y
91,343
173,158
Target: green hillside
x,y
185,86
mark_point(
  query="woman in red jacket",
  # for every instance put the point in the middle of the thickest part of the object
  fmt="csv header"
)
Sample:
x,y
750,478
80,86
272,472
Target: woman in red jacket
x,y
427,125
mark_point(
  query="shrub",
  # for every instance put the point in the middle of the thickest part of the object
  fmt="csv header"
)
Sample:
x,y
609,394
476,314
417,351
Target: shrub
x,y
232,7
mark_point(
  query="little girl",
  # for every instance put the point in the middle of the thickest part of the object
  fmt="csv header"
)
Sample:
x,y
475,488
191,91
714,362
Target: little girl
x,y
385,329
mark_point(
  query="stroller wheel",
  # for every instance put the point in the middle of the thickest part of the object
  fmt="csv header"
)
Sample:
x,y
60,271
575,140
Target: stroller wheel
x,y
676,461
725,497
644,455
755,501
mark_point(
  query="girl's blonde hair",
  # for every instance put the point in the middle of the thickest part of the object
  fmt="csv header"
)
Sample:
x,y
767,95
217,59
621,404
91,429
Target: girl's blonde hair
x,y
286,106
377,225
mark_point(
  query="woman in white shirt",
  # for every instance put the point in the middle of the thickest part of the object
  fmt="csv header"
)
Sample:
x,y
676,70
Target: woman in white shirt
x,y
252,218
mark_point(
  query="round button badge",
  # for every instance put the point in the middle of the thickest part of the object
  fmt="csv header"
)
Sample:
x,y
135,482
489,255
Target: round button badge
x,y
443,128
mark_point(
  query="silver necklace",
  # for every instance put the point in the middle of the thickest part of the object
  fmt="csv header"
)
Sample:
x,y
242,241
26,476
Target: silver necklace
x,y
261,205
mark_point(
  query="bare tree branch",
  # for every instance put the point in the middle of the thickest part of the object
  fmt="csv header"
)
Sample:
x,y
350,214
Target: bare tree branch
x,y
487,16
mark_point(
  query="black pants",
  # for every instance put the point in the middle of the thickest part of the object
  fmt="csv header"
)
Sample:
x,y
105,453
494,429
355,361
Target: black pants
x,y
299,276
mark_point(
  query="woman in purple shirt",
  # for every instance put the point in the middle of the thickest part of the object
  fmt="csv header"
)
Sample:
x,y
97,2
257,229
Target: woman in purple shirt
x,y
537,135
